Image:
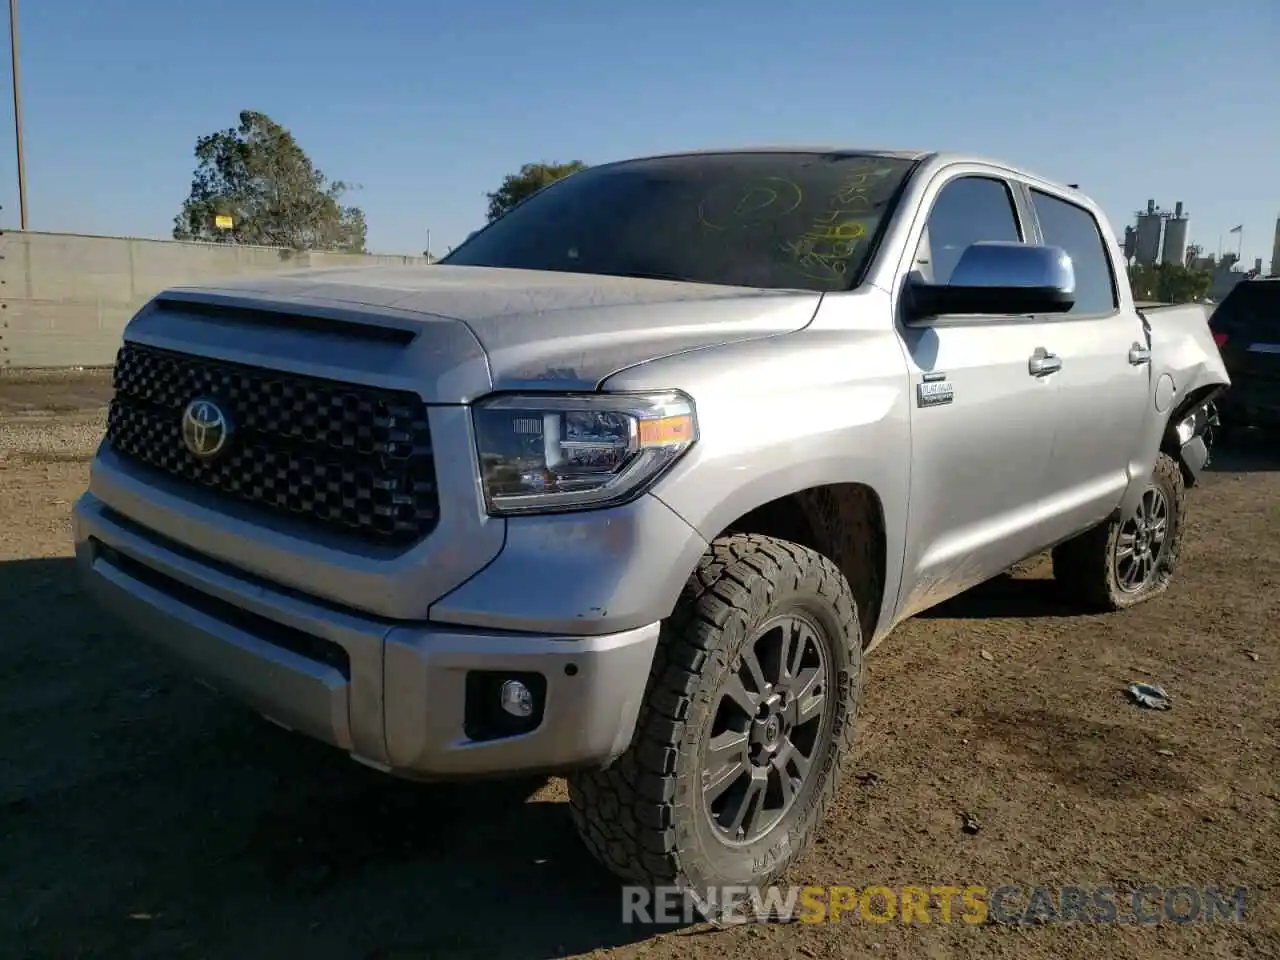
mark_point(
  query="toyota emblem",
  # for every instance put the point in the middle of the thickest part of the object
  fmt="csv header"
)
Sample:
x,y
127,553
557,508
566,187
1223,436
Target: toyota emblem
x,y
205,428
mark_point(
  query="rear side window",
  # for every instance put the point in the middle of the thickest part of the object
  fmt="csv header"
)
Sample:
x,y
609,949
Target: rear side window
x,y
1252,307
968,210
1075,230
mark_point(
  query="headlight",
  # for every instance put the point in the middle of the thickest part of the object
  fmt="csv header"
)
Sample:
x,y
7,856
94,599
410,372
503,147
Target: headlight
x,y
541,453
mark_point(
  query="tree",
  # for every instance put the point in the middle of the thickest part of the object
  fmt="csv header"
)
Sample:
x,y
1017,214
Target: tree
x,y
1178,284
1169,283
531,178
257,175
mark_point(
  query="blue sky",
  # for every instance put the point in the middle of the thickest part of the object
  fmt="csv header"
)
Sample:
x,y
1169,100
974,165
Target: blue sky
x,y
428,105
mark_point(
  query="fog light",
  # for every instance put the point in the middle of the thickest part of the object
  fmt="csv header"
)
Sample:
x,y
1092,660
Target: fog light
x,y
516,699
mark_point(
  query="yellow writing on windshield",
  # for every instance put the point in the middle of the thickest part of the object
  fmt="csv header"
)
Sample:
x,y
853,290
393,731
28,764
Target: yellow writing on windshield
x,y
823,251
740,206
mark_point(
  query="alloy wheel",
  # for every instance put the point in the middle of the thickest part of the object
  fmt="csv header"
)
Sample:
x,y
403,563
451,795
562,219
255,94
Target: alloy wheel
x,y
768,729
1141,542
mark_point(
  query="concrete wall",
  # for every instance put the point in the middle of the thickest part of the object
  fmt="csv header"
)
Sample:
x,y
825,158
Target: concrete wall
x,y
65,298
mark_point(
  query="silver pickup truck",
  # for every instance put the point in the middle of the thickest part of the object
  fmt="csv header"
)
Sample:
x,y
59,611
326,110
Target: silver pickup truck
x,y
628,485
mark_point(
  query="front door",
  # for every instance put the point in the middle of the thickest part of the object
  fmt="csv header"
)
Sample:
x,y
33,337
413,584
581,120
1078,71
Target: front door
x,y
982,417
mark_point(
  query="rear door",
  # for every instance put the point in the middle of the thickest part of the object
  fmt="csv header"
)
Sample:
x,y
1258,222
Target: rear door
x,y
1246,327
1105,387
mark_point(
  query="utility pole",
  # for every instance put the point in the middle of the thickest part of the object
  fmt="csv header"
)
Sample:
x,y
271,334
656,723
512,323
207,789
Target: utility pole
x,y
17,112
428,250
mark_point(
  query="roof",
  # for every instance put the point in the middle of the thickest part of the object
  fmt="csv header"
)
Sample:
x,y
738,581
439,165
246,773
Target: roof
x,y
936,156
789,148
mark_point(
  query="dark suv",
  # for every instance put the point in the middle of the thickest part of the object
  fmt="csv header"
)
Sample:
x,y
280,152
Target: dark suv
x,y
1246,327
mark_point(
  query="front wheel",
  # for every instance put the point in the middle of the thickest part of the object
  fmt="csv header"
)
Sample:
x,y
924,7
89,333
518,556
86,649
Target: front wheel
x,y
1128,559
747,723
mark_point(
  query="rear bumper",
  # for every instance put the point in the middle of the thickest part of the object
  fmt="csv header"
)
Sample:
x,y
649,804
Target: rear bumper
x,y
1253,414
414,698
1251,400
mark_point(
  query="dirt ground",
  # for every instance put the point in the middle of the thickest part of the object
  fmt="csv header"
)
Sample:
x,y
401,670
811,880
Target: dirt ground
x,y
143,816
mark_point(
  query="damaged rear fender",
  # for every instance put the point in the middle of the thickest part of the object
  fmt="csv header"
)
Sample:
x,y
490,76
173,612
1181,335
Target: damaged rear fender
x,y
1187,375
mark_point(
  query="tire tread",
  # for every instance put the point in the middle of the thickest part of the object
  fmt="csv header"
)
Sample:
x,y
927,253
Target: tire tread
x,y
1082,565
625,814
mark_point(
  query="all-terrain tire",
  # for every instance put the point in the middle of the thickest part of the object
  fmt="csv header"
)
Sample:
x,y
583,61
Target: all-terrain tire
x,y
1085,566
644,817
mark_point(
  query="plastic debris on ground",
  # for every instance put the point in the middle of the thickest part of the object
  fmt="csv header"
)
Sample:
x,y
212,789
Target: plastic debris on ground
x,y
1150,695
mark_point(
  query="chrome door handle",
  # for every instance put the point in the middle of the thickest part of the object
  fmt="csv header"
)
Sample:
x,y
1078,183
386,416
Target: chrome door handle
x,y
1138,354
1043,363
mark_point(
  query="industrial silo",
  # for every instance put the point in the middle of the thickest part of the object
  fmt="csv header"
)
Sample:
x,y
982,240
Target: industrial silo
x,y
1148,246
1130,243
1275,252
1175,237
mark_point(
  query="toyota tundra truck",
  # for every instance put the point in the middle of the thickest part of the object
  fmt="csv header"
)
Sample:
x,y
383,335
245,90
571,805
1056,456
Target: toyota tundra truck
x,y
627,486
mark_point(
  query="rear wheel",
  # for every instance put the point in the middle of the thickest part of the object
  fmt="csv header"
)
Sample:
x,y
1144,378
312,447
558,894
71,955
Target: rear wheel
x,y
746,726
1131,558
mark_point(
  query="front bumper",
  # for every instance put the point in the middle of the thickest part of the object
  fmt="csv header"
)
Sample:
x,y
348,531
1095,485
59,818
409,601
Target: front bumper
x,y
399,695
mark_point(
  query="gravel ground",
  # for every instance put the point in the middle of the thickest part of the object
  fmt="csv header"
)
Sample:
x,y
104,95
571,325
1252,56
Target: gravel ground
x,y
47,439
45,392
144,816
52,416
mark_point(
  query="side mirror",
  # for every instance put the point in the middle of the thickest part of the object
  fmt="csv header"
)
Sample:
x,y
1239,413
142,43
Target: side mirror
x,y
998,277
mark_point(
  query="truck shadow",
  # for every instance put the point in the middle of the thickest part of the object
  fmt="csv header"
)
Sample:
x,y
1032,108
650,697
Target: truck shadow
x,y
1005,596
155,818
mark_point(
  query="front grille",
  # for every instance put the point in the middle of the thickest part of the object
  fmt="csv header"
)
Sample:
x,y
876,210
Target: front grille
x,y
343,456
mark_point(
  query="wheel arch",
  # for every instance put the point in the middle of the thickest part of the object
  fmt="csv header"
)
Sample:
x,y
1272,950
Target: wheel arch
x,y
845,522
1179,440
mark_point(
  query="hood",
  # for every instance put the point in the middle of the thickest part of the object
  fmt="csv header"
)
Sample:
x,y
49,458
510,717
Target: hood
x,y
528,327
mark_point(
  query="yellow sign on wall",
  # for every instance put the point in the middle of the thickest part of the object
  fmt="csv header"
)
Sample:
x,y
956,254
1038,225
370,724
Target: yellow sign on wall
x,y
223,222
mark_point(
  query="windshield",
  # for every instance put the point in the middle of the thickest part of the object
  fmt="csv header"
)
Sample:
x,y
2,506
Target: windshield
x,y
765,220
